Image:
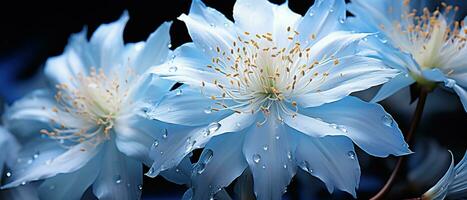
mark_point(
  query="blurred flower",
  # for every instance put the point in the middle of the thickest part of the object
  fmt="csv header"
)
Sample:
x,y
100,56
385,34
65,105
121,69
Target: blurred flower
x,y
9,148
429,47
453,185
270,93
92,131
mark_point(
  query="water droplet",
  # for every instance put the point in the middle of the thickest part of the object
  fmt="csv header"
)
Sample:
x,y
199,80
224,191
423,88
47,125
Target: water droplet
x,y
384,41
365,39
8,174
285,166
155,143
256,158
387,120
278,137
177,170
118,179
165,133
342,128
331,10
173,68
212,25
289,155
213,127
264,166
304,166
265,147
23,183
238,124
341,20
169,45
351,155
179,92
140,187
311,13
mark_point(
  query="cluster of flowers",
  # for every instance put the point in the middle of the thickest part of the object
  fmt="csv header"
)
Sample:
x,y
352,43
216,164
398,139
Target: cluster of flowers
x,y
268,93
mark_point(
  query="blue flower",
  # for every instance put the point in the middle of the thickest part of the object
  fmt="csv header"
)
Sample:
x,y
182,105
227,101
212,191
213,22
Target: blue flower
x,y
9,148
453,185
270,93
93,133
428,47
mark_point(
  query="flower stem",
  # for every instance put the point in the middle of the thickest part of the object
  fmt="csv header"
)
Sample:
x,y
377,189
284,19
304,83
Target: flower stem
x,y
413,127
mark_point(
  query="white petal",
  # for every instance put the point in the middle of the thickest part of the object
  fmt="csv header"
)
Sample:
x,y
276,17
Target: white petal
x,y
332,159
440,189
70,185
220,163
268,149
353,73
393,86
106,44
367,124
322,18
155,50
120,178
69,161
131,138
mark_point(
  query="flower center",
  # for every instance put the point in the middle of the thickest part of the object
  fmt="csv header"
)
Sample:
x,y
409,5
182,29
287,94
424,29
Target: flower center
x,y
94,103
260,74
429,37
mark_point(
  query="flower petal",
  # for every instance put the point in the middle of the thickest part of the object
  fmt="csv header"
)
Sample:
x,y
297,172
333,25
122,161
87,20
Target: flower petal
x,y
462,93
69,161
367,124
76,58
131,138
353,73
324,17
172,143
332,159
120,178
220,163
208,28
268,150
106,44
458,188
155,50
189,66
179,107
393,86
440,189
70,185
180,174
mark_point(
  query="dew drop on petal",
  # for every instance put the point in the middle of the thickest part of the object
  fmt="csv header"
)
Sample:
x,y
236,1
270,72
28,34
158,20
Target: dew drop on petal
x,y
169,45
213,127
277,137
311,14
289,155
387,120
351,155
256,158
341,20
118,179
155,143
140,187
265,147
36,155
264,166
8,174
179,92
342,128
173,68
165,133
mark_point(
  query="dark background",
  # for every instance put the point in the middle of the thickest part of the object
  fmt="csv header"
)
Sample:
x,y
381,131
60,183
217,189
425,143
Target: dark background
x,y
32,31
